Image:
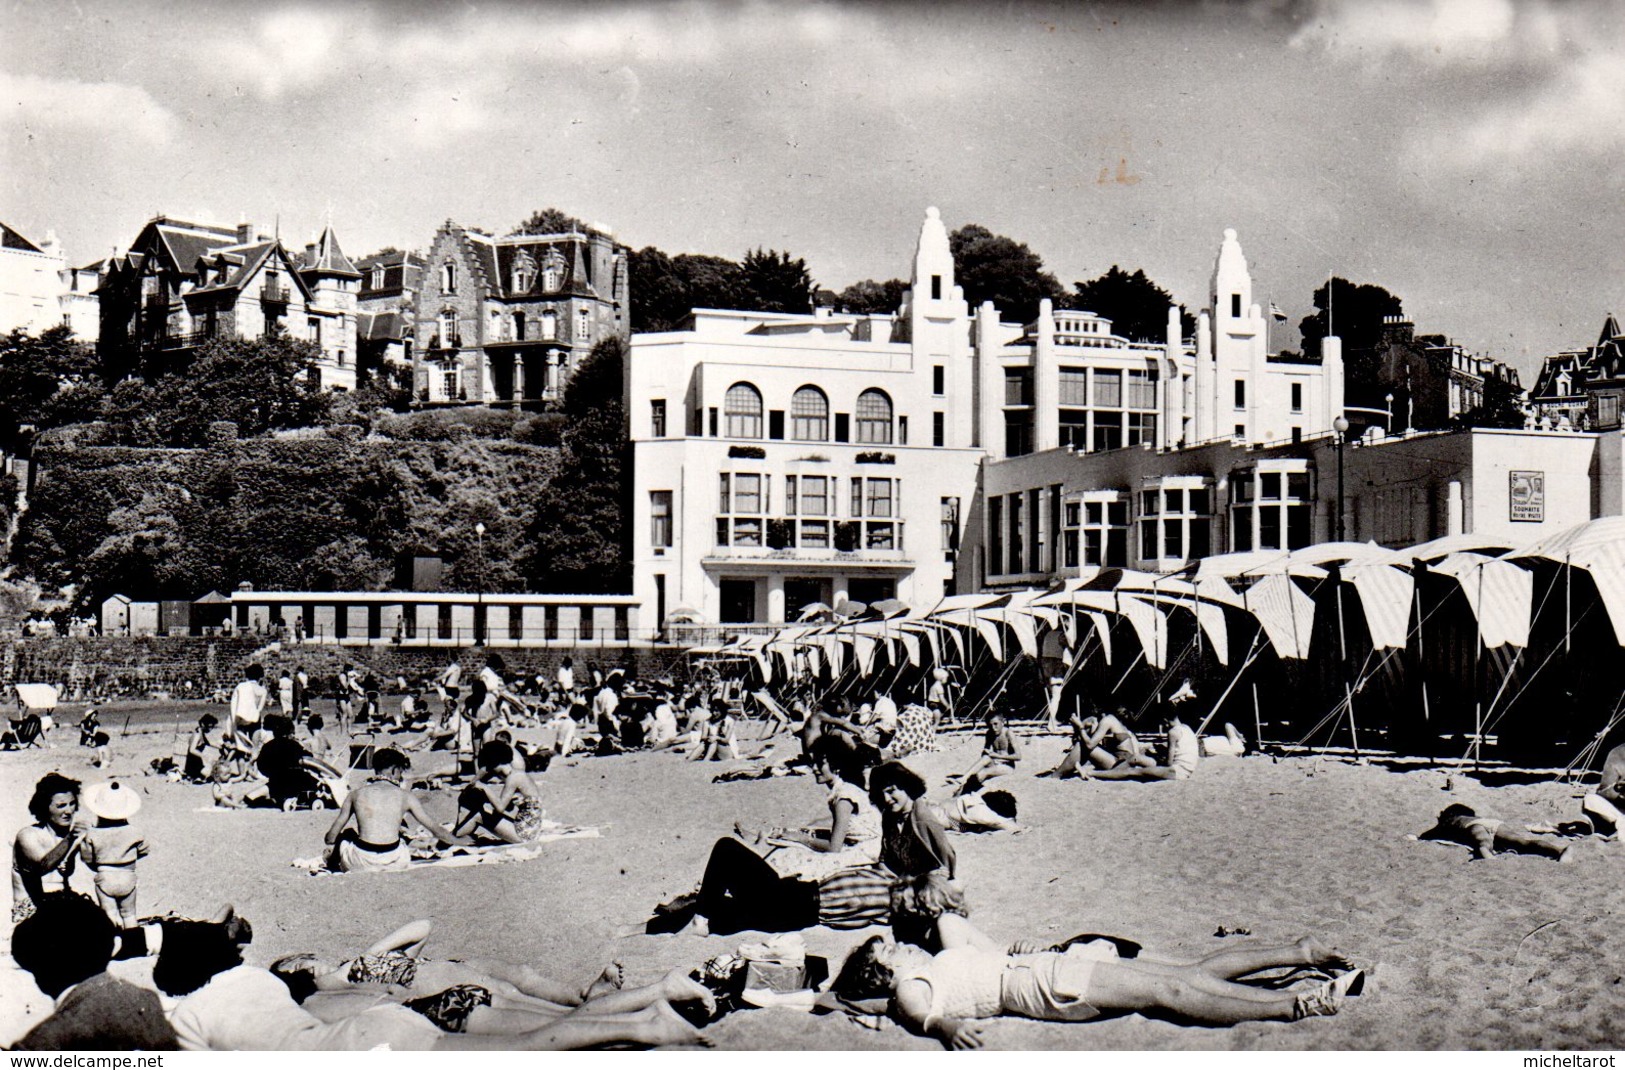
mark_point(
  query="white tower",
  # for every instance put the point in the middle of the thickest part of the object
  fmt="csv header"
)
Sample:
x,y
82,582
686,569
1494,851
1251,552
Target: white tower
x,y
1238,344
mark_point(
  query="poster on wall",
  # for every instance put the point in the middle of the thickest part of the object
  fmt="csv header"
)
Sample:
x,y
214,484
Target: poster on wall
x,y
1528,499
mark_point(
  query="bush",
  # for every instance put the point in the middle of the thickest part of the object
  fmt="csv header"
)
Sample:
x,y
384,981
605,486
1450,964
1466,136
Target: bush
x,y
446,425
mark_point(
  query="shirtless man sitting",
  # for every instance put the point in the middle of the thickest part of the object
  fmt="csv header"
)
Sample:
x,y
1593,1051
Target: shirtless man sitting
x,y
1106,742
379,808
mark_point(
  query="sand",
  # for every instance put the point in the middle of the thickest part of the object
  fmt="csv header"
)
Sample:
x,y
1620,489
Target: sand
x,y
1511,953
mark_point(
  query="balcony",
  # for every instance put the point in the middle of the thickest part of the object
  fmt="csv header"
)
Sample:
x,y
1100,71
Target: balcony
x,y
821,543
273,294
190,340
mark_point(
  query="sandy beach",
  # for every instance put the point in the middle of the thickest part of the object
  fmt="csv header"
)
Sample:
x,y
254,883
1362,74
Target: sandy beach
x,y
1511,953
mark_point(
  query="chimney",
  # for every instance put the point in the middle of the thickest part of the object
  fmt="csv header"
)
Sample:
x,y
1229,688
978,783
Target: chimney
x,y
245,232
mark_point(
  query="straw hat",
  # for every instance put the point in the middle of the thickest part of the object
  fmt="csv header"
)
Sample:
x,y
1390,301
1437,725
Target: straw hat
x,y
112,800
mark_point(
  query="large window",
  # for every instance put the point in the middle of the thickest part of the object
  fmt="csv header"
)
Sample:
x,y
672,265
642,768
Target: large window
x,y
742,410
1018,386
1108,389
874,417
1018,433
995,535
657,417
1108,431
1074,386
1096,531
875,500
809,415
1271,507
1142,390
741,503
550,325
1074,428
1176,521
660,518
448,329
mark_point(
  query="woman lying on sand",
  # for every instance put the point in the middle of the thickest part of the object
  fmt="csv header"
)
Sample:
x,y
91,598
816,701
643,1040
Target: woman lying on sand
x,y
1485,835
946,994
741,890
395,963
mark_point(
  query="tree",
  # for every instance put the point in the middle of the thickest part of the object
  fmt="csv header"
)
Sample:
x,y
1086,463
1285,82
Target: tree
x,y
872,298
1137,307
580,540
773,282
260,384
34,372
667,288
991,267
549,221
1502,407
1356,313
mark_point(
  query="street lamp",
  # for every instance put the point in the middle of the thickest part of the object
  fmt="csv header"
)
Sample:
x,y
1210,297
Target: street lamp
x,y
1341,426
1389,427
479,593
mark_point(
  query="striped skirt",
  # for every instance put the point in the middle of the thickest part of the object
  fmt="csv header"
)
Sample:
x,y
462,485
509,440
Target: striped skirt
x,y
856,898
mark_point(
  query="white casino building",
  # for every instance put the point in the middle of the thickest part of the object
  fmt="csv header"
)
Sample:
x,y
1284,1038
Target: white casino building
x,y
781,460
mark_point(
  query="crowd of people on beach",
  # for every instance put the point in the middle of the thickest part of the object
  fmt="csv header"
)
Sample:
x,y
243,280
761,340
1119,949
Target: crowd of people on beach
x,y
887,856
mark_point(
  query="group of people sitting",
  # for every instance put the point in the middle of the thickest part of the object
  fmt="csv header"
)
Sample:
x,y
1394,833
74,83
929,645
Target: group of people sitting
x,y
886,858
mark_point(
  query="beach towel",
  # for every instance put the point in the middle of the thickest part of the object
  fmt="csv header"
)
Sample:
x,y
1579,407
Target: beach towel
x,y
458,857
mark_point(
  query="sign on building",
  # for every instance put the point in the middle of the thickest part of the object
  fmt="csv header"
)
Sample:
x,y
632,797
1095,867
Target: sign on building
x,y
1528,497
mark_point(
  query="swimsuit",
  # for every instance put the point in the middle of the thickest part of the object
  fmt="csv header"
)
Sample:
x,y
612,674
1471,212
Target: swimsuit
x,y
389,968
451,1009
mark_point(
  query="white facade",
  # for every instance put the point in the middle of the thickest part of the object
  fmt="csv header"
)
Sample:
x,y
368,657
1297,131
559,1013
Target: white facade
x,y
782,460
30,282
764,444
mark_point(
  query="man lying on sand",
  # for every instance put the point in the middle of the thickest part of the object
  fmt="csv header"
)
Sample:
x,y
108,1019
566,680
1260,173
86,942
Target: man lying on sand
x,y
379,807
1485,835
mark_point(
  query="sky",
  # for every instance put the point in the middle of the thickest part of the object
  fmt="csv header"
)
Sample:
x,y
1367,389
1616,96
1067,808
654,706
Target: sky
x,y
1463,153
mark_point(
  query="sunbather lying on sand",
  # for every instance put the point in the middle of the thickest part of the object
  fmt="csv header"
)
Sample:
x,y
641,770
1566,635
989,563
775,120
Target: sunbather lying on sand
x,y
394,965
974,977
1485,835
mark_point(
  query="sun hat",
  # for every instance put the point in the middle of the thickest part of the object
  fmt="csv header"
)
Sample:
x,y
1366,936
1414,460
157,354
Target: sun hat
x,y
112,800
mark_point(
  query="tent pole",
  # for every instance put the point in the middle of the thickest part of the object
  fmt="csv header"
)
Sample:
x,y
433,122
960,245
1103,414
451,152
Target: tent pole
x,y
1258,719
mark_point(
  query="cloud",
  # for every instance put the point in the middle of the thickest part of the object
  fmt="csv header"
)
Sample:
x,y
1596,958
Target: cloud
x,y
1580,111
107,109
1435,32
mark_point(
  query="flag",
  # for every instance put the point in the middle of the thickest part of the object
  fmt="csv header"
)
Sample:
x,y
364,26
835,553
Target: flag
x,y
1275,310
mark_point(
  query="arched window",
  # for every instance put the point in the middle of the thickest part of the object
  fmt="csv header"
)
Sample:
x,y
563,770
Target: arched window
x,y
743,409
448,277
874,417
550,325
809,415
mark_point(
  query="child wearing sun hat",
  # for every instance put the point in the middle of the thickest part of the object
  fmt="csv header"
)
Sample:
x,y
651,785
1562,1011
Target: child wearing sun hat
x,y
113,847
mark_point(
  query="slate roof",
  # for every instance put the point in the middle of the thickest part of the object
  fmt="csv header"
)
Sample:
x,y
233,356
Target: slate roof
x,y
10,239
379,326
329,259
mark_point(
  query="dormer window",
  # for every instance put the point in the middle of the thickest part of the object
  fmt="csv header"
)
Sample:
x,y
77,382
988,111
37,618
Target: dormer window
x,y
377,278
524,273
550,278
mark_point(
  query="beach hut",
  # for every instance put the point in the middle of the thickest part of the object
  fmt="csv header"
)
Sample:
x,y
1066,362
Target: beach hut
x,y
116,615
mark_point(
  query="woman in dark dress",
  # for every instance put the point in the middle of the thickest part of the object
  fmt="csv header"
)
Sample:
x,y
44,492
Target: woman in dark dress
x,y
741,890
